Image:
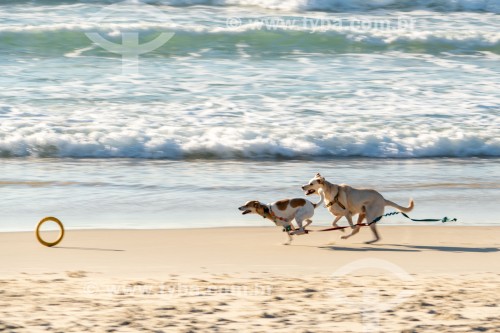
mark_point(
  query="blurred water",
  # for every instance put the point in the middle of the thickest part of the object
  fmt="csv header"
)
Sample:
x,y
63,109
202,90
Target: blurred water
x,y
178,194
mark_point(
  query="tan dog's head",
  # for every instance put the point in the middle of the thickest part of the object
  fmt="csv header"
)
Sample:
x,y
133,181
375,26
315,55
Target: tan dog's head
x,y
314,184
252,207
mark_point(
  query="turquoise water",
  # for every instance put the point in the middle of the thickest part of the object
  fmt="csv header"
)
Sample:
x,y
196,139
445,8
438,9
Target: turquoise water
x,y
251,80
247,100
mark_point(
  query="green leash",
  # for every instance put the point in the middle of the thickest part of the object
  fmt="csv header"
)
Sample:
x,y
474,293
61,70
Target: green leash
x,y
443,220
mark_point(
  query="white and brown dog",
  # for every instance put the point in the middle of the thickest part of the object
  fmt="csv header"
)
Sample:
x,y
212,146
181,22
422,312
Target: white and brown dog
x,y
283,212
344,200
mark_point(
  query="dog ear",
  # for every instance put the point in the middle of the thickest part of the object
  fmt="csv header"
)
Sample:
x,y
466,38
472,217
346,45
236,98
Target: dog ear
x,y
256,204
318,175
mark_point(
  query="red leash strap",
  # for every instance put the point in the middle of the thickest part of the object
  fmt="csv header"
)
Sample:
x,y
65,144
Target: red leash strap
x,y
331,229
339,228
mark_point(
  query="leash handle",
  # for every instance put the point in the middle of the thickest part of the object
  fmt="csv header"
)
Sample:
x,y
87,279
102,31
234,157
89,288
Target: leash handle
x,y
443,220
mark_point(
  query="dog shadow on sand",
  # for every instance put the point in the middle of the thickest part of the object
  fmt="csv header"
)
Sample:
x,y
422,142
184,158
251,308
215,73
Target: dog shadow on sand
x,y
411,248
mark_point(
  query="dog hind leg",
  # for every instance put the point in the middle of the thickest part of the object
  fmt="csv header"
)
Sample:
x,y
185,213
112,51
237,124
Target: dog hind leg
x,y
300,217
348,216
372,214
375,233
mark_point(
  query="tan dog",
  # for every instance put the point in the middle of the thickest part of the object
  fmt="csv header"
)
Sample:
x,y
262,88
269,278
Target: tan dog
x,y
348,201
283,212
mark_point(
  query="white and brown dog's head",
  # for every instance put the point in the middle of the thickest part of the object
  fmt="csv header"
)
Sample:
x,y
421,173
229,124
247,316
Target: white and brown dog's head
x,y
314,184
254,207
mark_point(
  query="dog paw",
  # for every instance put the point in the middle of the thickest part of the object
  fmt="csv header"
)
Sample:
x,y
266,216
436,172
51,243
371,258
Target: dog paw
x,y
344,237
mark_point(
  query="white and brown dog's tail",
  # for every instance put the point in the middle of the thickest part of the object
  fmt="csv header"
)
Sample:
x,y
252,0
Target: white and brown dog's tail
x,y
321,200
400,208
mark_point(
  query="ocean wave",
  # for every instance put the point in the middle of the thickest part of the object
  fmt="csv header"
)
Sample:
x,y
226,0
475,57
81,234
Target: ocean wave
x,y
492,6
255,38
349,5
245,144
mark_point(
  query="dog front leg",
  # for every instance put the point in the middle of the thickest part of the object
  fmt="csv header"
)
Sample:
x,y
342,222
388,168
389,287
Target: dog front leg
x,y
334,223
348,216
353,232
290,230
357,227
337,218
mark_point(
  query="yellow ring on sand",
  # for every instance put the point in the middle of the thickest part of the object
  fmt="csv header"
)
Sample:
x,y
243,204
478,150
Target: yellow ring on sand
x,y
61,233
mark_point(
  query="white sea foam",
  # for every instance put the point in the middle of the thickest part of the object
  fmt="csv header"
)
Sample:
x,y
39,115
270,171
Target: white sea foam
x,y
360,5
161,133
344,5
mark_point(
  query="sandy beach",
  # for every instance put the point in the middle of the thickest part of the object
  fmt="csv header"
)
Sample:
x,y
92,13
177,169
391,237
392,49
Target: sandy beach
x,y
144,124
417,279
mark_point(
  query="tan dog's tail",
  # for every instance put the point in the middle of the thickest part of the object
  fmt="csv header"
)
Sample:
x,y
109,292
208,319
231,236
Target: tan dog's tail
x,y
322,195
400,208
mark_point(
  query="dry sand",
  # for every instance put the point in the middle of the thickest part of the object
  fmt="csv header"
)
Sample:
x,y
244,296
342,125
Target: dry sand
x,y
417,279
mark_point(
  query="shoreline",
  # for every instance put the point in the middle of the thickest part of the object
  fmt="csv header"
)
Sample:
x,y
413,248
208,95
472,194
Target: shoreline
x,y
417,250
151,195
315,227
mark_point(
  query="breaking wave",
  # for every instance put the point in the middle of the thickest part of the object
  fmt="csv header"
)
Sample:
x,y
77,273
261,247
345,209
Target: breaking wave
x,y
61,39
227,143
